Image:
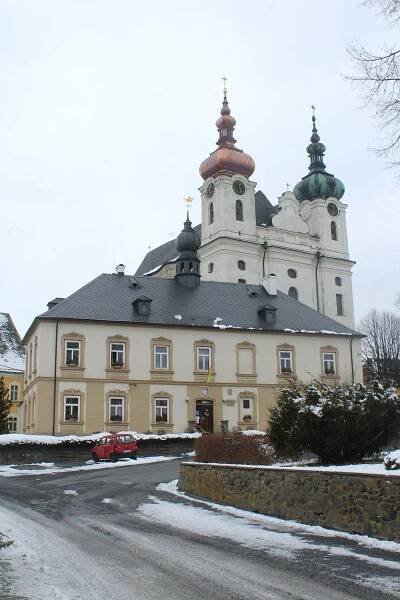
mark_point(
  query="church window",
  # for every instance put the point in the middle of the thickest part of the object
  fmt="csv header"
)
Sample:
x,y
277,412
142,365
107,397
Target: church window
x,y
333,209
239,187
339,304
241,281
182,266
241,265
239,210
190,266
292,273
334,231
210,267
211,213
293,293
338,281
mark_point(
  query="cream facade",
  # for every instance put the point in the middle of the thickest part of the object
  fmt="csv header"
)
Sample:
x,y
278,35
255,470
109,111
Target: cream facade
x,y
85,376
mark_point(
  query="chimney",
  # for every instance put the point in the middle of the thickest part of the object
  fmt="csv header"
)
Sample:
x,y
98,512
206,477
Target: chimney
x,y
269,284
120,269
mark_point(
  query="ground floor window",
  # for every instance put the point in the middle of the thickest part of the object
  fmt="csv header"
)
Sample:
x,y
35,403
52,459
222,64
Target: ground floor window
x,y
116,409
329,360
71,408
161,410
12,424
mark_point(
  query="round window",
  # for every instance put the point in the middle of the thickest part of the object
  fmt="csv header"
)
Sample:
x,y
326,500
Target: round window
x,y
241,265
333,209
292,273
210,190
239,187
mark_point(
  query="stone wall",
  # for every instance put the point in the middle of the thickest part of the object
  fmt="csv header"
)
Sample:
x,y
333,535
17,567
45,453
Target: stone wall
x,y
364,504
17,454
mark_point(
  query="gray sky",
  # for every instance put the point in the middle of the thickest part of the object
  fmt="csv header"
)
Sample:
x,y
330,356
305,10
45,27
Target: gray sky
x,y
107,108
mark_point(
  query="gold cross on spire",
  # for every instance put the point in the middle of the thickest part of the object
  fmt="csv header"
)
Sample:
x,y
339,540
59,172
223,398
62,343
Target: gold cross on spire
x,y
224,79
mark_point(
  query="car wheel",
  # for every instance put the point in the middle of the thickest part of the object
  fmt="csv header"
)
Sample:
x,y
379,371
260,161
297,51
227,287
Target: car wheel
x,y
114,457
134,456
95,459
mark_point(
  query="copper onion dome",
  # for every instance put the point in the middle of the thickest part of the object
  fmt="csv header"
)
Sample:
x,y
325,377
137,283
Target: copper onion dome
x,y
227,158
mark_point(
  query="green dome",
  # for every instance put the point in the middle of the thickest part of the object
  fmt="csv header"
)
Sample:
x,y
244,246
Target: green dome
x,y
318,183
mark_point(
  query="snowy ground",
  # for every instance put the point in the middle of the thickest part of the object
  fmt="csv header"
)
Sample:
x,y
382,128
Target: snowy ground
x,y
120,533
365,468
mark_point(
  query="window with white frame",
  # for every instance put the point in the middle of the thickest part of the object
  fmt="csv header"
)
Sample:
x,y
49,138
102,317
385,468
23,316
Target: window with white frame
x,y
161,410
117,354
71,408
285,361
161,357
116,409
12,424
72,353
329,360
14,392
203,358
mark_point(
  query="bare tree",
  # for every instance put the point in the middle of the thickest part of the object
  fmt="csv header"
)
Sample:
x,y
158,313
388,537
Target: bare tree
x,y
377,76
381,346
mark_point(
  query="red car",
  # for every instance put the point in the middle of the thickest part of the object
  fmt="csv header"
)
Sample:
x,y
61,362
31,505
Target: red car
x,y
114,446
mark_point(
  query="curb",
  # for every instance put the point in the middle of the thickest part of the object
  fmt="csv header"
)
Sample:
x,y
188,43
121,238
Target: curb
x,y
5,541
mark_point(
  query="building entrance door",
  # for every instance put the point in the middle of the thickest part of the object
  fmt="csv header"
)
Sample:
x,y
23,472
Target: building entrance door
x,y
205,415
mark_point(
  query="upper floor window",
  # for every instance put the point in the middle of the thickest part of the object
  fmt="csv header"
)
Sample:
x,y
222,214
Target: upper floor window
x,y
339,304
334,235
211,213
246,403
161,410
241,265
72,353
116,409
161,357
292,273
71,408
210,267
329,363
203,358
285,361
293,293
239,210
117,354
338,281
30,358
14,392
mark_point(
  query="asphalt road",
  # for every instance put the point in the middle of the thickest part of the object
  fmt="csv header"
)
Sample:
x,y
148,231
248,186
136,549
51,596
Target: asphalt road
x,y
107,534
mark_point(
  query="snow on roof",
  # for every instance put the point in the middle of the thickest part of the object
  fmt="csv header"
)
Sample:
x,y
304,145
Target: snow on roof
x,y
12,354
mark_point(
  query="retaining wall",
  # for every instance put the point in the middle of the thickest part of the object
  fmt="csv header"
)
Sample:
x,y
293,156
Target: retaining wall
x,y
364,504
17,454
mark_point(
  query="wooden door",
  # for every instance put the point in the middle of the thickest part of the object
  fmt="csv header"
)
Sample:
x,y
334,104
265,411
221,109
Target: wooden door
x,y
205,415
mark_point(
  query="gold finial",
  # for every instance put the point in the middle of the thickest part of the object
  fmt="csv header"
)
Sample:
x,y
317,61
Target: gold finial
x,y
188,201
224,79
288,186
313,109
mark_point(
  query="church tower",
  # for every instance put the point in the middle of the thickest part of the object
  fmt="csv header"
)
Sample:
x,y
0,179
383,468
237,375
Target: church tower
x,y
228,207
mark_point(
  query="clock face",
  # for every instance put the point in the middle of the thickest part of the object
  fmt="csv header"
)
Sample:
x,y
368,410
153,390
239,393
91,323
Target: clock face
x,y
333,209
210,190
239,187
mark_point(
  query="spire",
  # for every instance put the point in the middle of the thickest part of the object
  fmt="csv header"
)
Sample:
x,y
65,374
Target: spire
x,y
188,263
225,123
316,149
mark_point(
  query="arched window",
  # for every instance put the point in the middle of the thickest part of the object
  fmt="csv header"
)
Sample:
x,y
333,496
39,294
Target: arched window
x,y
241,265
211,213
239,210
333,231
293,293
210,267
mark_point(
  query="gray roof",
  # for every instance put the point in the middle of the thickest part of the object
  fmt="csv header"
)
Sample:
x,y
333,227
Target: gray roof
x,y
225,305
12,354
168,252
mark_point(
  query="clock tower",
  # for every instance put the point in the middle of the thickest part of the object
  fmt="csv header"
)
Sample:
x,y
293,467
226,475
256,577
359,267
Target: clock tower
x,y
229,236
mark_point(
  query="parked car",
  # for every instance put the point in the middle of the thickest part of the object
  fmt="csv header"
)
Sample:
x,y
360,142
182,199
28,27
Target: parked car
x,y
115,446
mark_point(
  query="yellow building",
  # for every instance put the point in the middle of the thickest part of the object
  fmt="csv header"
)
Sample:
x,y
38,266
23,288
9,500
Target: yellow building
x,y
12,368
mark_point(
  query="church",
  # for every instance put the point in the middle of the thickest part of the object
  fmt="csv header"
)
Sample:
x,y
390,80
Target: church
x,y
213,323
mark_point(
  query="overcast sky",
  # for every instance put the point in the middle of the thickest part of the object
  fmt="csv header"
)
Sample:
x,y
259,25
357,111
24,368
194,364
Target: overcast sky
x,y
107,108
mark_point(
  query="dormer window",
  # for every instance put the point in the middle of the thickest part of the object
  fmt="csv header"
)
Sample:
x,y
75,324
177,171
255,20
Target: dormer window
x,y
268,313
142,305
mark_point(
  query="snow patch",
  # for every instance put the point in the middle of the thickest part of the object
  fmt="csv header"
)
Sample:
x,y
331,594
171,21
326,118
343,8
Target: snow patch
x,y
178,317
71,493
107,501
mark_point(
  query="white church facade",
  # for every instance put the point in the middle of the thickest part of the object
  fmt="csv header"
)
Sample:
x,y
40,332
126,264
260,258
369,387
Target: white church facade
x,y
213,323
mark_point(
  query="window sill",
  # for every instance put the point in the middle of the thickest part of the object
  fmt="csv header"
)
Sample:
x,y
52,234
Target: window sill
x,y
161,371
71,368
115,423
71,423
291,375
117,370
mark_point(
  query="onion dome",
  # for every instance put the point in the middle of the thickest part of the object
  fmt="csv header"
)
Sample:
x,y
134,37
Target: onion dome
x,y
227,158
318,183
188,240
